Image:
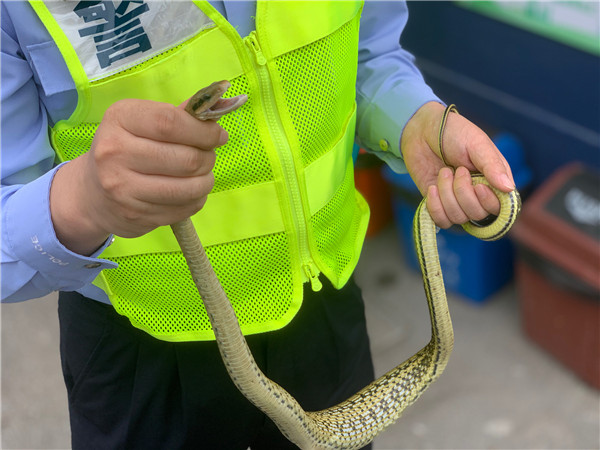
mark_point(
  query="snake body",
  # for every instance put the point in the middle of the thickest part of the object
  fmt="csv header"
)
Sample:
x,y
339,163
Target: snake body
x,y
355,422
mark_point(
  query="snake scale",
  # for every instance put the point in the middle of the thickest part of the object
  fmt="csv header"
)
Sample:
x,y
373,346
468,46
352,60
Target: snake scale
x,y
355,422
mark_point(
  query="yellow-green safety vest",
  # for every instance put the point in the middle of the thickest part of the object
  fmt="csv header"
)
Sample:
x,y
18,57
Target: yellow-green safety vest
x,y
284,208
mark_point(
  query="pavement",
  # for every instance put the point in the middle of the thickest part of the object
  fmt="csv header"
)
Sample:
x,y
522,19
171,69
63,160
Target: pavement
x,y
499,391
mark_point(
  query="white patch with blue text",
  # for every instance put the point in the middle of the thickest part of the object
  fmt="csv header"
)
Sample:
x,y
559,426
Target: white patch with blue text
x,y
111,36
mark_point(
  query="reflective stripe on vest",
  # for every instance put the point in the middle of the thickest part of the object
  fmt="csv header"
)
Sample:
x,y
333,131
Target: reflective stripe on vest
x,y
284,207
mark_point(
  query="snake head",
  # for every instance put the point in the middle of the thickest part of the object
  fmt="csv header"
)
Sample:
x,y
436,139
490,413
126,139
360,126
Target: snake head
x,y
208,104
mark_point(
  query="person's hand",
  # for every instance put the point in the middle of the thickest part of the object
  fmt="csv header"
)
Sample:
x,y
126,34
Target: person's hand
x,y
451,197
150,164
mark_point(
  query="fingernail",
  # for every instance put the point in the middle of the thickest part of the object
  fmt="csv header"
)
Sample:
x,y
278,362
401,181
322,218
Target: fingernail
x,y
463,172
446,172
506,181
223,138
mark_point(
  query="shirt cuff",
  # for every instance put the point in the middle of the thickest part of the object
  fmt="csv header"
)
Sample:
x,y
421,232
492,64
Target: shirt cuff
x,y
31,238
383,119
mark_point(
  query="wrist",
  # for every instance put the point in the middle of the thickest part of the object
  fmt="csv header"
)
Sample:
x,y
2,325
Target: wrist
x,y
70,201
423,126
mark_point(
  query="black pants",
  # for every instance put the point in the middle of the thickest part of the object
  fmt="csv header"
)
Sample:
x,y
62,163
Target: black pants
x,y
128,390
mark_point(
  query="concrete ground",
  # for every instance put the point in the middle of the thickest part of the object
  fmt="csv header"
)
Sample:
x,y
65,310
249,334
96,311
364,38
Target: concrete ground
x,y
499,390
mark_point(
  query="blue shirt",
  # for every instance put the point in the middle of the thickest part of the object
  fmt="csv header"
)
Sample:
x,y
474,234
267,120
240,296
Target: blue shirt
x,y
37,91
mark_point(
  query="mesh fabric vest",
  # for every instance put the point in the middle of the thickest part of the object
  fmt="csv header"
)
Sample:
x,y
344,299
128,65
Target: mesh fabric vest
x,y
284,208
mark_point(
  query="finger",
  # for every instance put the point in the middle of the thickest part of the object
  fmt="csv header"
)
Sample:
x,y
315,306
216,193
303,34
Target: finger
x,y
173,191
488,160
113,151
144,217
450,204
466,195
170,214
487,199
165,123
157,158
435,208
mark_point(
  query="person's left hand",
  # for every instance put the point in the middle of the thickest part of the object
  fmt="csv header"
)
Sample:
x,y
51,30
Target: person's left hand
x,y
451,197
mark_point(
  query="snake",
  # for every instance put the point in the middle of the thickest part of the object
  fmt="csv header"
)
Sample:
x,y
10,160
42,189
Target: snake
x,y
355,422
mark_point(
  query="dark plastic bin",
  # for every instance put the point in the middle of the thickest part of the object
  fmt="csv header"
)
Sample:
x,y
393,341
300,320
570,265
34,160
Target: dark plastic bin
x,y
558,269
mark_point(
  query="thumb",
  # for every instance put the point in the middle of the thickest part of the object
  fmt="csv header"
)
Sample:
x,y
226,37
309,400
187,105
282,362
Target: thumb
x,y
489,161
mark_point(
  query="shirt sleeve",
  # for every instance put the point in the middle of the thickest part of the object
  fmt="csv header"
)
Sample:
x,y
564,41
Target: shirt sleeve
x,y
390,88
33,261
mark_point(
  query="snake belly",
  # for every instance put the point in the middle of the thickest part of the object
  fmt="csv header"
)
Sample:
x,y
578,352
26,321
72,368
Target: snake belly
x,y
355,422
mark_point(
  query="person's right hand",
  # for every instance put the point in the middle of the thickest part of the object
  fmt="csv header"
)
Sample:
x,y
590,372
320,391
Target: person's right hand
x,y
150,164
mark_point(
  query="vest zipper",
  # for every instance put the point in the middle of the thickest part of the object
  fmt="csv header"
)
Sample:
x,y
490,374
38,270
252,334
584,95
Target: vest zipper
x,y
259,58
284,152
312,273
